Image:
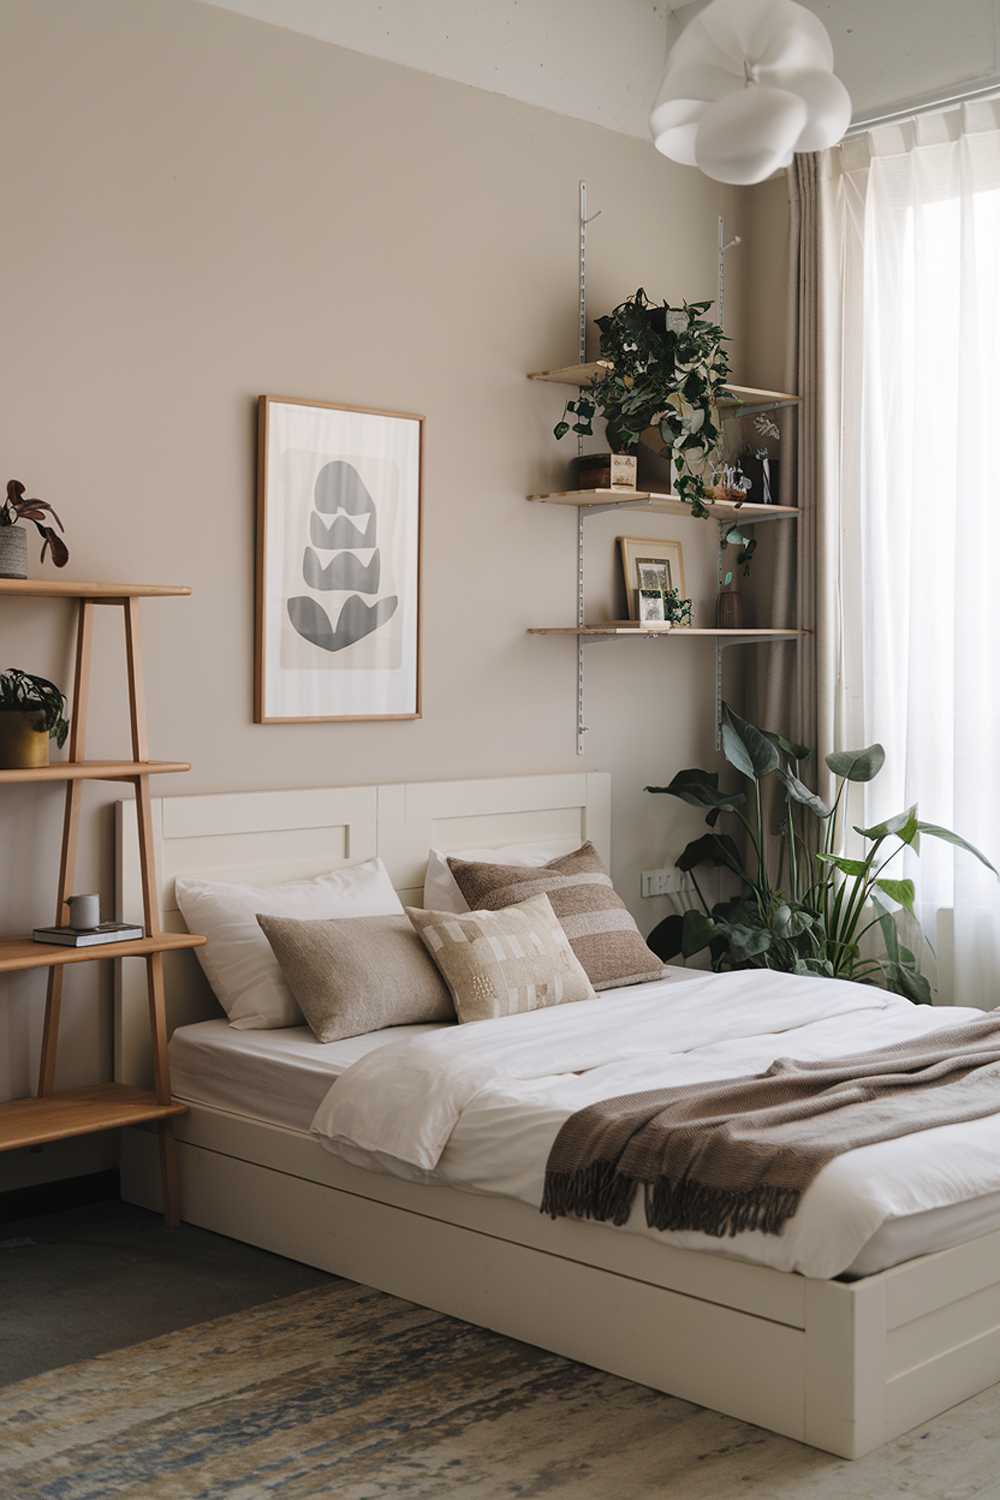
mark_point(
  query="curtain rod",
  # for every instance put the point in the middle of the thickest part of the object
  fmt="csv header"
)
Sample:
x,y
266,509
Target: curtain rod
x,y
982,91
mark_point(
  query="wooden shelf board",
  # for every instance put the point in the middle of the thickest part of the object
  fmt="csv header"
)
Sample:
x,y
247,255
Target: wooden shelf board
x,y
93,770
67,588
743,395
23,953
721,510
53,1117
624,629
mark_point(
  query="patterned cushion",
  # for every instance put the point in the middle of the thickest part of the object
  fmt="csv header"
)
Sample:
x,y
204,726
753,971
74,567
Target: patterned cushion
x,y
594,917
501,963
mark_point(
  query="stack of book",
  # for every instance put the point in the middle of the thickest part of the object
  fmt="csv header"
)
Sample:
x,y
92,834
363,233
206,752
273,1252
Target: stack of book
x,y
89,937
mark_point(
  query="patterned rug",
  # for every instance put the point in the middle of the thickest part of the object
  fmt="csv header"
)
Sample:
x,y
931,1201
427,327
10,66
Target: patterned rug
x,y
339,1392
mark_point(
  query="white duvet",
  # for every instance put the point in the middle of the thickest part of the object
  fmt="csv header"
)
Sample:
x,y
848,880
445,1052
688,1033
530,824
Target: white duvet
x,y
478,1106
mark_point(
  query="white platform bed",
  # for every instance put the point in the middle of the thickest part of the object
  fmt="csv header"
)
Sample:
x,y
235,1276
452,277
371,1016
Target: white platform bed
x,y
849,1364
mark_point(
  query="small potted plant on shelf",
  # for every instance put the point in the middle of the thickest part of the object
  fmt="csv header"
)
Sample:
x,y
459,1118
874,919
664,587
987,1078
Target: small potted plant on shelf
x,y
32,711
18,507
666,367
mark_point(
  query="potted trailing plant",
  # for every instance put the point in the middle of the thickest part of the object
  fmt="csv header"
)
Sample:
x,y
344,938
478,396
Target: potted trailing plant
x,y
667,367
801,906
32,711
14,509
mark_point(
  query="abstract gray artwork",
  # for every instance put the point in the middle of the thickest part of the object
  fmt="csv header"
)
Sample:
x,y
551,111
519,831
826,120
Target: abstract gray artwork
x,y
339,487
338,563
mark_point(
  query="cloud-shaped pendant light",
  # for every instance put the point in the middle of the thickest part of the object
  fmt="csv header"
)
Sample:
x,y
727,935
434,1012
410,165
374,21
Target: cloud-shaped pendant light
x,y
748,83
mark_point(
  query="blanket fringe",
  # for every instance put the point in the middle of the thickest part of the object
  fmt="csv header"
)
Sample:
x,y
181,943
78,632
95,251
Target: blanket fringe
x,y
597,1191
718,1212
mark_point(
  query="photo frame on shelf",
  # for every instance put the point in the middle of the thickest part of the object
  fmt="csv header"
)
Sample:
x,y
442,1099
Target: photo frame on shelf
x,y
650,563
339,501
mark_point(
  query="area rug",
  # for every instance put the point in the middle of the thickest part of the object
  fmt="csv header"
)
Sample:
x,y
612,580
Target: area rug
x,y
339,1392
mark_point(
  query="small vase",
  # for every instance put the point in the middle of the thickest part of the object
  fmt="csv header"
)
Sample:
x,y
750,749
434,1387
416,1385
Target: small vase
x,y
729,610
24,740
13,552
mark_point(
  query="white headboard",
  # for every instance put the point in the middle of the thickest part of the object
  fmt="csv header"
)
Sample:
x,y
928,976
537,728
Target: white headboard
x,y
262,838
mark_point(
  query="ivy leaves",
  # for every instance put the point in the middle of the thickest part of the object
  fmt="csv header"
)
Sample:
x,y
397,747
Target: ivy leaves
x,y
668,368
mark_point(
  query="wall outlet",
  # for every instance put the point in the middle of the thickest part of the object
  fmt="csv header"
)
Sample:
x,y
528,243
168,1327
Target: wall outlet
x,y
666,882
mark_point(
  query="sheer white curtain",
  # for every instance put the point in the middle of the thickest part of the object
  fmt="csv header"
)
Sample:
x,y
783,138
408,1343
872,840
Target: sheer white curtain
x,y
919,497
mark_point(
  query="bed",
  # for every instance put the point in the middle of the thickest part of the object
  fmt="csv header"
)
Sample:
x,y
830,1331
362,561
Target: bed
x,y
910,1328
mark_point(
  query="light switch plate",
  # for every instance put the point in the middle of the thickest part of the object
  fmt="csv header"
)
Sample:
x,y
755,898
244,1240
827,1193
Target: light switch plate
x,y
665,882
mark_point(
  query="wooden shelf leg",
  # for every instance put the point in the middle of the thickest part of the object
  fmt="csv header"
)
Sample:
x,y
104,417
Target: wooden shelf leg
x,y
151,915
67,860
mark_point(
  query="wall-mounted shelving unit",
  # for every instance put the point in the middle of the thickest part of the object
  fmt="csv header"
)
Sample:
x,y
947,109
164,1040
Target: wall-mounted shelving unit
x,y
52,1115
741,401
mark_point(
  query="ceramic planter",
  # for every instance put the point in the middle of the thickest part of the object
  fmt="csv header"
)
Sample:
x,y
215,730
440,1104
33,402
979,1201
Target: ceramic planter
x,y
13,552
24,740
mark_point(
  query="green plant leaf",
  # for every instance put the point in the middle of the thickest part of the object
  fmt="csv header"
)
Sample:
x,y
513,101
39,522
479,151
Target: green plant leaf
x,y
747,942
934,831
904,825
902,891
857,765
697,932
560,429
908,982
711,849
787,747
799,792
745,747
791,921
846,866
822,967
700,789
666,938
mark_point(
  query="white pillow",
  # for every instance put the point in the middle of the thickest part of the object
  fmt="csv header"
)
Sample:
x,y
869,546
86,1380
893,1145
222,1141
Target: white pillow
x,y
239,962
441,892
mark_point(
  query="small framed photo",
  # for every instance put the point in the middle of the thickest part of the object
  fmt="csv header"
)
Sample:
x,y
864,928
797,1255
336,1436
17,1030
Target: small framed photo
x,y
649,607
338,563
650,564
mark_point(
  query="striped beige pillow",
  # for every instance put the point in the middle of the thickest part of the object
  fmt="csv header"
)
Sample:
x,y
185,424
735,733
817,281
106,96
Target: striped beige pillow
x,y
594,917
502,963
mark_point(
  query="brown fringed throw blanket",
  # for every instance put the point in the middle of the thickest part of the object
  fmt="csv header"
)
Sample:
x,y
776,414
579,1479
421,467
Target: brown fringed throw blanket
x,y
737,1155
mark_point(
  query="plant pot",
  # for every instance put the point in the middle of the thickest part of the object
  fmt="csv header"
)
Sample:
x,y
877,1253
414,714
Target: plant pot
x,y
729,610
13,552
605,471
24,740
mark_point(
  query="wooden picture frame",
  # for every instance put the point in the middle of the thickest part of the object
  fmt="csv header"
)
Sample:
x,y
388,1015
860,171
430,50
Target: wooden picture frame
x,y
339,517
665,557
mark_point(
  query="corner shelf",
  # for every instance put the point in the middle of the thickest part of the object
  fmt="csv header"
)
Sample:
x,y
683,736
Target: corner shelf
x,y
18,953
596,501
94,593
93,770
739,395
621,630
52,1115
34,1122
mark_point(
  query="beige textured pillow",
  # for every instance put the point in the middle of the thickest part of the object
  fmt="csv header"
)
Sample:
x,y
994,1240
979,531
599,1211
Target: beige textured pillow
x,y
351,975
502,963
594,917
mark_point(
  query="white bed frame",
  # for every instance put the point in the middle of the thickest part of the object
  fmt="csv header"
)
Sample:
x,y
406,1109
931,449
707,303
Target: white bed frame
x,y
842,1366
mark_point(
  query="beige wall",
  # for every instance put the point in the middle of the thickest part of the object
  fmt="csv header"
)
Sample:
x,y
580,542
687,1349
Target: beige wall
x,y
199,208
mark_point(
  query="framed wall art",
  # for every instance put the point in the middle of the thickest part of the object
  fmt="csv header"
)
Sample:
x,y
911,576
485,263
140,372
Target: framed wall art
x,y
650,563
338,563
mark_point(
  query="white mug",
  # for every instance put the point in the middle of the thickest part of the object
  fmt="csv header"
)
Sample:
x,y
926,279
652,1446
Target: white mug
x,y
84,912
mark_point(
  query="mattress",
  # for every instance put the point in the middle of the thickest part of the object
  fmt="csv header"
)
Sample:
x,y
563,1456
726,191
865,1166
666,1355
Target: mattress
x,y
279,1076
283,1076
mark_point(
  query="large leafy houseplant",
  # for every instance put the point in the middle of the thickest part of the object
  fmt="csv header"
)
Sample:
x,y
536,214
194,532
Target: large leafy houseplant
x,y
667,367
802,906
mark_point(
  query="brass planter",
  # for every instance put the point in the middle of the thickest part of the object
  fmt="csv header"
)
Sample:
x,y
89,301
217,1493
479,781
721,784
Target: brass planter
x,y
24,740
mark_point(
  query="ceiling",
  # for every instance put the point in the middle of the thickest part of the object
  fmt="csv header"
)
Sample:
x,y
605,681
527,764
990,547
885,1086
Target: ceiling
x,y
602,60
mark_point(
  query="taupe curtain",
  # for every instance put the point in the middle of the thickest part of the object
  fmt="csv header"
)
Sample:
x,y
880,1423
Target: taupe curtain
x,y
795,686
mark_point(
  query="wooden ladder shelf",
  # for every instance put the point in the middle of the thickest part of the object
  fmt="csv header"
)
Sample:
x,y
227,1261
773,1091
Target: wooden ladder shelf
x,y
52,1115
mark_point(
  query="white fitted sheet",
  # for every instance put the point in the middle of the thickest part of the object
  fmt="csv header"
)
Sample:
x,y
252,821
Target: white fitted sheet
x,y
280,1076
283,1076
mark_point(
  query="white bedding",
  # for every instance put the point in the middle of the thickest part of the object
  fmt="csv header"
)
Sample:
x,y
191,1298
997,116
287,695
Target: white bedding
x,y
478,1107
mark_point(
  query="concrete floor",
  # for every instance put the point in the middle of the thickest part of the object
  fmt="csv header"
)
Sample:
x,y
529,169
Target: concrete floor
x,y
81,1282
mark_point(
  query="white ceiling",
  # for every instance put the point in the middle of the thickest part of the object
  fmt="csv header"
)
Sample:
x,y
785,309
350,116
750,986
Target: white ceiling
x,y
602,60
